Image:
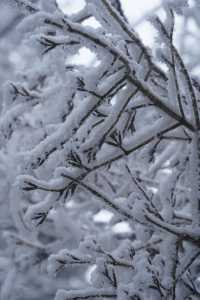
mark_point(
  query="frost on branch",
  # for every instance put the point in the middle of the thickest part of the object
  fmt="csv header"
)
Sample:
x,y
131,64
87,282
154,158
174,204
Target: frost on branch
x,y
116,138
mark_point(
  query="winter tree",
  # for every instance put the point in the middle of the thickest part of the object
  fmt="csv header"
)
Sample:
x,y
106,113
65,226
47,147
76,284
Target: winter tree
x,y
100,160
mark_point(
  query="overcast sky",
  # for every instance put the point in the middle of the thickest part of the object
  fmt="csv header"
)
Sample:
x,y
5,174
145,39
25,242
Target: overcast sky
x,y
134,10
